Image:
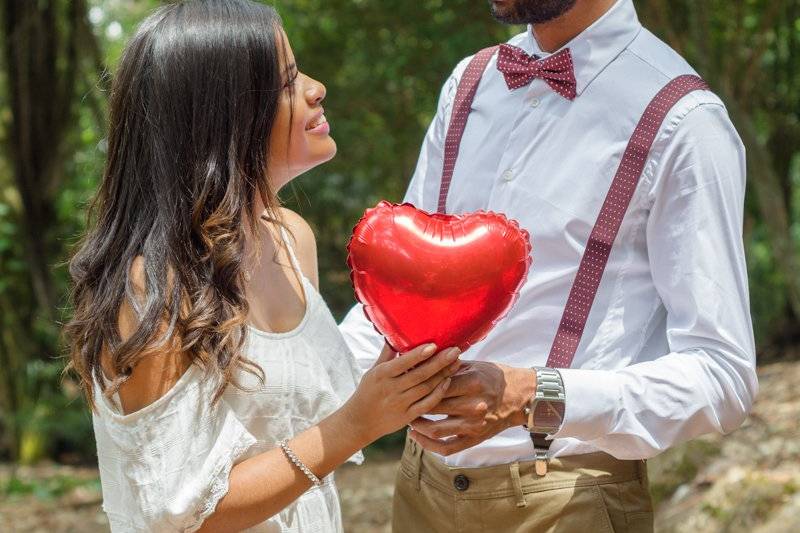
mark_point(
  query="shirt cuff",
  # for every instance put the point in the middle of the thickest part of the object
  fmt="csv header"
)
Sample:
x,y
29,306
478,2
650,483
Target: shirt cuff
x,y
593,399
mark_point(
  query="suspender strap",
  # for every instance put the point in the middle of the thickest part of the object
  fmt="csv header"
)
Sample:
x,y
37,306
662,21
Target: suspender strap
x,y
595,257
462,105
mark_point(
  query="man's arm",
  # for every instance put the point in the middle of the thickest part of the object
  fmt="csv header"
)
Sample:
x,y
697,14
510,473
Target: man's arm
x,y
361,337
707,382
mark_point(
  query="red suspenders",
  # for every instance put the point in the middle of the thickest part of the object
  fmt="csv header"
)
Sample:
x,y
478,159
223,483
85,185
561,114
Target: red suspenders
x,y
601,240
606,227
458,118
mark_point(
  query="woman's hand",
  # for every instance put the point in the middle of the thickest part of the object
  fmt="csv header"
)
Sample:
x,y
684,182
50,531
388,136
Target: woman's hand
x,y
398,389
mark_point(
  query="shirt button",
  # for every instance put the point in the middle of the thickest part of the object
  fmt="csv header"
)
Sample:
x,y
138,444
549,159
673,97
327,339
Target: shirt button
x,y
535,102
461,482
508,175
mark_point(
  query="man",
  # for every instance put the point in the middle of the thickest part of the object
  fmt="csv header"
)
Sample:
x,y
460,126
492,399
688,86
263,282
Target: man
x,y
667,351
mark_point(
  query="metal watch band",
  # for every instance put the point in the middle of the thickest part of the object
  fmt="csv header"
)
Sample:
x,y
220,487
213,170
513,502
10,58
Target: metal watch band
x,y
549,386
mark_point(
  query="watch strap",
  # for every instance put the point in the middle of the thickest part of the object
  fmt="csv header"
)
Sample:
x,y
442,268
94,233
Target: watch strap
x,y
541,445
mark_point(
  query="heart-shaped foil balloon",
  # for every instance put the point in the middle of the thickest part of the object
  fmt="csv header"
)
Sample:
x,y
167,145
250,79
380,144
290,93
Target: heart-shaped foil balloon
x,y
446,279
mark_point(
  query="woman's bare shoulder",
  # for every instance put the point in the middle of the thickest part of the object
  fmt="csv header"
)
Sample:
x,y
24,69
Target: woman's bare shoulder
x,y
304,242
158,370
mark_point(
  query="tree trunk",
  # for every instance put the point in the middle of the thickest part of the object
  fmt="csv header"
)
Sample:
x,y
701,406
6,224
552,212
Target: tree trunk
x,y
42,46
41,56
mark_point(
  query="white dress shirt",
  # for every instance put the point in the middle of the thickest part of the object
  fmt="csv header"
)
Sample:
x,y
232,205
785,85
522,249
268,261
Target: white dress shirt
x,y
668,351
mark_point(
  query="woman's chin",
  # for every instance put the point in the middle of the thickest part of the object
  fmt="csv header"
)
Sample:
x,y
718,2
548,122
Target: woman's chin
x,y
325,151
319,156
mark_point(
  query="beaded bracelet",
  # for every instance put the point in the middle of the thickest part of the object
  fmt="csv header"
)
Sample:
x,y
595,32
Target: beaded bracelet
x,y
298,463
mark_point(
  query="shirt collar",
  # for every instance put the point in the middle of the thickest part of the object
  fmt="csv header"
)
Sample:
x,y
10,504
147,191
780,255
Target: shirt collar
x,y
598,45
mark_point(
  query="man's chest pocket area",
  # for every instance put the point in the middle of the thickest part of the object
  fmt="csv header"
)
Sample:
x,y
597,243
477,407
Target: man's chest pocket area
x,y
574,186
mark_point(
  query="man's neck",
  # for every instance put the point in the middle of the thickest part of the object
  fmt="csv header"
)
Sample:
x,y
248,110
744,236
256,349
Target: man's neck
x,y
556,33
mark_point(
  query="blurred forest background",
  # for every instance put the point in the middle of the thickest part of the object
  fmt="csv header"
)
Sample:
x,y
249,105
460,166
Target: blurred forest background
x,y
383,62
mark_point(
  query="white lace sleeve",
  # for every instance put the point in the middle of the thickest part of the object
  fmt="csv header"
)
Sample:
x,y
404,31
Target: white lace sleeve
x,y
176,454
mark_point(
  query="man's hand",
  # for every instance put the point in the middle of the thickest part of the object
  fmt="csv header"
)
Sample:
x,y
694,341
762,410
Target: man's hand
x,y
483,399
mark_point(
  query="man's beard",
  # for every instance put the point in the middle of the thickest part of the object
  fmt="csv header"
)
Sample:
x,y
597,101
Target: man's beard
x,y
530,11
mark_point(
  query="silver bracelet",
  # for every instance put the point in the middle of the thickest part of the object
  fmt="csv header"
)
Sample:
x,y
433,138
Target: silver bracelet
x,y
298,463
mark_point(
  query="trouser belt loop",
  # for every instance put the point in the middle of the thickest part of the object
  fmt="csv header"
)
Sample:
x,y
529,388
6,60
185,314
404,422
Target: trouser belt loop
x,y
517,482
416,462
643,472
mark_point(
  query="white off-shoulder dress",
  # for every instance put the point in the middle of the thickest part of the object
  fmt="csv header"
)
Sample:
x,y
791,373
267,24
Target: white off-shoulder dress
x,y
165,467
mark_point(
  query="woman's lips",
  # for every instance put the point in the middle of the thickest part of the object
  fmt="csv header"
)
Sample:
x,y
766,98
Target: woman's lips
x,y
319,126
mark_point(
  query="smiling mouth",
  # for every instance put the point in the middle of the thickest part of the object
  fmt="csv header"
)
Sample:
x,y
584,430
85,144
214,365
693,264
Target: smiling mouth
x,y
319,121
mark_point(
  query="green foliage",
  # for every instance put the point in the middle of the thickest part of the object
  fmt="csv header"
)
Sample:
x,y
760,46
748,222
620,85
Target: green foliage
x,y
391,444
45,489
749,51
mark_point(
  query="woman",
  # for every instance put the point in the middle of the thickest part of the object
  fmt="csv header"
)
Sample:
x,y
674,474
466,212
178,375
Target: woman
x,y
199,335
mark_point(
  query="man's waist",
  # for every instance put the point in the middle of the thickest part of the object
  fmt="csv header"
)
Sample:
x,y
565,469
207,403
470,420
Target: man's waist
x,y
509,446
571,470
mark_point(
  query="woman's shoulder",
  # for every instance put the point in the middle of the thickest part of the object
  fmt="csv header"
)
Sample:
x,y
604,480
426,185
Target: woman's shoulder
x,y
298,226
303,241
156,371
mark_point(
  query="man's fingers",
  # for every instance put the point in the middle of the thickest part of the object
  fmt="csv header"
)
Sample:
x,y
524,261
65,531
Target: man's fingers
x,y
465,406
427,402
439,429
458,406
443,447
464,384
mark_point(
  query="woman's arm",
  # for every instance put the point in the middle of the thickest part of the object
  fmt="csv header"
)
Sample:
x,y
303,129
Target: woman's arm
x,y
263,485
394,392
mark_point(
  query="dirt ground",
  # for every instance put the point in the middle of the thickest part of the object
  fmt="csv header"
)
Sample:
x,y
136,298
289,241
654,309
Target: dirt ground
x,y
366,493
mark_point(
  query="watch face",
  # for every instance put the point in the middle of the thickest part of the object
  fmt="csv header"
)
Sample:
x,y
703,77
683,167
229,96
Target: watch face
x,y
548,414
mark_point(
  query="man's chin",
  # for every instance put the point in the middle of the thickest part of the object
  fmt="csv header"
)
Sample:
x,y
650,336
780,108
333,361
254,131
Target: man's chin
x,y
503,11
529,11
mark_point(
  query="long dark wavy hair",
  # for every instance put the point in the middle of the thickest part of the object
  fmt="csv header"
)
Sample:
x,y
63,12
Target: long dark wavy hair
x,y
192,107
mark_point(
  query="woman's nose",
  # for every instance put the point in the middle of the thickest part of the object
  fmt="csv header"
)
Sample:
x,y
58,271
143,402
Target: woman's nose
x,y
315,93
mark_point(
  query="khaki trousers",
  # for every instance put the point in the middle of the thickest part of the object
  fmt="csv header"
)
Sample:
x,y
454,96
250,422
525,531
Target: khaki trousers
x,y
580,494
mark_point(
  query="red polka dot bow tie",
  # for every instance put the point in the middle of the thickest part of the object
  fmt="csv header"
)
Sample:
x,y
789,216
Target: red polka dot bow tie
x,y
519,69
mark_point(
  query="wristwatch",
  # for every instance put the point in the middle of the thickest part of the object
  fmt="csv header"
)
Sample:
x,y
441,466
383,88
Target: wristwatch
x,y
544,413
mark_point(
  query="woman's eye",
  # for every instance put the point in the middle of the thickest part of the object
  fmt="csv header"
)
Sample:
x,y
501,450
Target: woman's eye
x,y
290,82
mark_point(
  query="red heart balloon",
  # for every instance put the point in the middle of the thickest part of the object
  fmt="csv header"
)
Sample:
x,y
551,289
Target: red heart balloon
x,y
446,279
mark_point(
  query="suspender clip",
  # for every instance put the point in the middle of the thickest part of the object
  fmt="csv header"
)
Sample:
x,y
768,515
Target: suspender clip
x,y
541,445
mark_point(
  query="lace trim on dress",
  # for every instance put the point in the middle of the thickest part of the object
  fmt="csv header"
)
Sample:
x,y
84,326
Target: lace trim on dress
x,y
219,485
